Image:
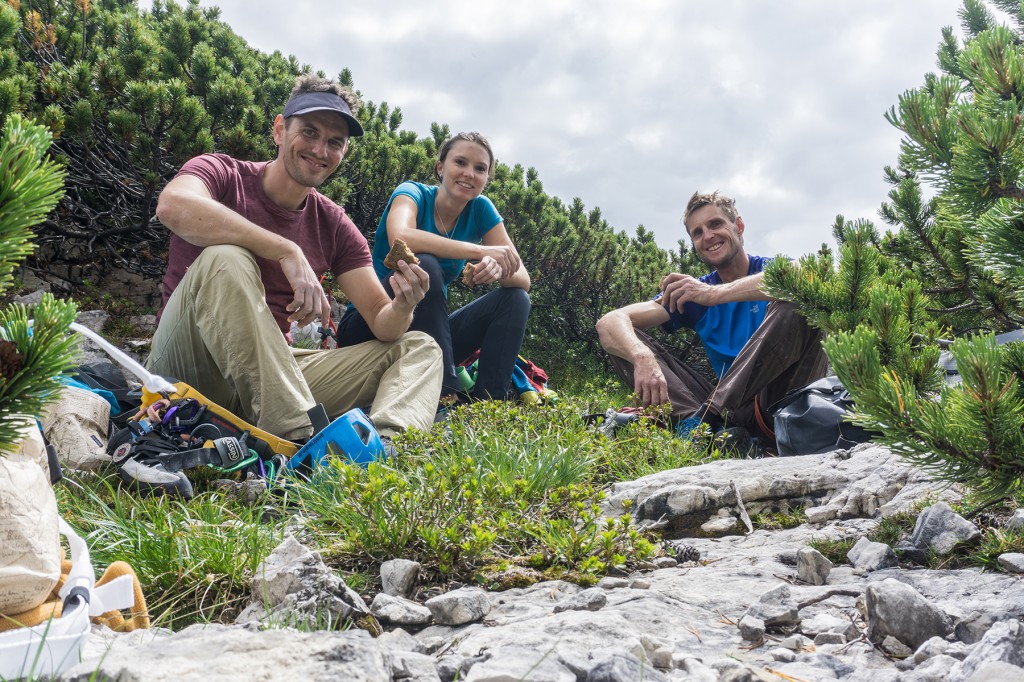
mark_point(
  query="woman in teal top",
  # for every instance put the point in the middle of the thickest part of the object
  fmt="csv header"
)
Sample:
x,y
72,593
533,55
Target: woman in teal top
x,y
446,225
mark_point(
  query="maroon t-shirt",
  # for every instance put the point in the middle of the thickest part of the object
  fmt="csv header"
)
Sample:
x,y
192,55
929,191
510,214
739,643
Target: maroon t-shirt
x,y
327,237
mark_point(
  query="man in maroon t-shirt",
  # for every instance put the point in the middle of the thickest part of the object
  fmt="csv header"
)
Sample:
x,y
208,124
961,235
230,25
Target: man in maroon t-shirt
x,y
249,243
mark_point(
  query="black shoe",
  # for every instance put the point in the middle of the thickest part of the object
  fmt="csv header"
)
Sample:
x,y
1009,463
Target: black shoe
x,y
735,442
611,421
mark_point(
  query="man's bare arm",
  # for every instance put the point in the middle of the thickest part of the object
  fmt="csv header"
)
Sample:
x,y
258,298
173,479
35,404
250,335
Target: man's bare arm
x,y
387,318
617,332
189,211
680,289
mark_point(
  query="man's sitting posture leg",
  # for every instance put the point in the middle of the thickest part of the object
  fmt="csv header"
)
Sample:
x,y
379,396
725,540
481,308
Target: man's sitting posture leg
x,y
783,354
687,389
217,335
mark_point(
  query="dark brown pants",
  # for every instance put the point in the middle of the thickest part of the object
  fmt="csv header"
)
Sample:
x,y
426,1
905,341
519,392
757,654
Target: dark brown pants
x,y
783,354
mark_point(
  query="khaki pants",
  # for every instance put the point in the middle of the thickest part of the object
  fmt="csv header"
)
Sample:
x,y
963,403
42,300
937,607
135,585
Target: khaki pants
x,y
217,335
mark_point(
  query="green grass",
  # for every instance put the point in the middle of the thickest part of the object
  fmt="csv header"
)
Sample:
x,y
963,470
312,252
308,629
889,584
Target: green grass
x,y
194,559
891,529
510,495
779,520
833,550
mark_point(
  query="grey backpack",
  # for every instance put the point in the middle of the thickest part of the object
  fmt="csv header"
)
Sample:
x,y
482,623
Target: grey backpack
x,y
812,420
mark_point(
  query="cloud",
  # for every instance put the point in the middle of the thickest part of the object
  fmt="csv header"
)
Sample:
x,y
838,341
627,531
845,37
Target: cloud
x,y
633,106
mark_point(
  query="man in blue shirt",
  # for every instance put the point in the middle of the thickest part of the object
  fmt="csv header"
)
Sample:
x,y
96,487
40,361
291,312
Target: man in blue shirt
x,y
760,349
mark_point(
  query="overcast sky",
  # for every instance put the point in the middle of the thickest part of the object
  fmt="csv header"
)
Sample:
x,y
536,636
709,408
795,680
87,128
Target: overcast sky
x,y
631,106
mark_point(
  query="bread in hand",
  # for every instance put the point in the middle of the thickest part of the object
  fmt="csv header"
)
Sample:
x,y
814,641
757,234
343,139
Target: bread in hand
x,y
467,274
400,251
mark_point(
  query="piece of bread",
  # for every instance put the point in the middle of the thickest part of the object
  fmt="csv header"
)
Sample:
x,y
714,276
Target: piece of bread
x,y
467,274
400,251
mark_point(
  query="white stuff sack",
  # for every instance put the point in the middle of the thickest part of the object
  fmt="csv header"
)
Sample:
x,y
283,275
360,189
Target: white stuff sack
x,y
30,553
76,426
55,645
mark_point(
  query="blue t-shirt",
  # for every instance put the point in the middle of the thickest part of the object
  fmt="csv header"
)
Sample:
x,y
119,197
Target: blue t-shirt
x,y
476,220
724,328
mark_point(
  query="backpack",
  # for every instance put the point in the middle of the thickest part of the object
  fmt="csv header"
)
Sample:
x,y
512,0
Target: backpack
x,y
812,420
529,381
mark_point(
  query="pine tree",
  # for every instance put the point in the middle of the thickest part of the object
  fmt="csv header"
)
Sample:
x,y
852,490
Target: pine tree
x,y
129,96
34,344
951,265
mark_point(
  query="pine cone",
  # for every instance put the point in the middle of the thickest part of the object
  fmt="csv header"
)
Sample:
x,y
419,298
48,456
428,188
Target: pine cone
x,y
685,553
11,361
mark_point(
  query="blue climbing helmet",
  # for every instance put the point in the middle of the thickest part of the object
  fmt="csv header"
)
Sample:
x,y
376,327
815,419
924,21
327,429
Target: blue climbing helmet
x,y
351,436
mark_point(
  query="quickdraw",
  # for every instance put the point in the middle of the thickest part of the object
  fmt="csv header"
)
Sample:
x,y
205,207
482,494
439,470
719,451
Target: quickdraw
x,y
168,437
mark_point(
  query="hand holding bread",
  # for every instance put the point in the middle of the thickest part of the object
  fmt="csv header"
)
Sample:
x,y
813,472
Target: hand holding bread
x,y
400,251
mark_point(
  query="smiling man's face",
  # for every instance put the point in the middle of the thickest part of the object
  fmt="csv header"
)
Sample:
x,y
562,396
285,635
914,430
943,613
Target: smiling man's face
x,y
716,239
311,146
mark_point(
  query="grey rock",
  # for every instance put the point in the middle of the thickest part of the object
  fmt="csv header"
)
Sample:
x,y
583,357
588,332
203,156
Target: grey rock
x,y
451,668
788,557
400,640
640,584
896,648
782,655
937,646
935,669
841,575
661,658
1016,521
650,644
398,577
93,319
998,671
31,299
399,611
145,324
875,675
872,556
1003,643
721,525
624,668
610,583
941,530
912,553
828,623
897,609
751,628
973,627
592,599
458,607
1012,562
456,668
694,668
218,653
795,643
730,670
775,607
857,483
816,666
829,638
665,562
511,664
294,587
812,566
408,665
